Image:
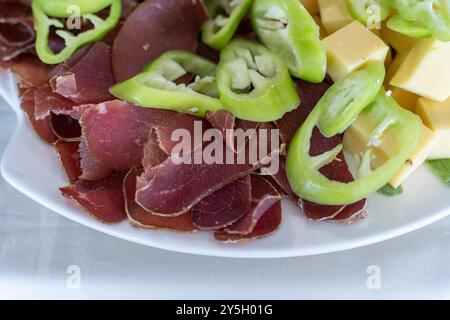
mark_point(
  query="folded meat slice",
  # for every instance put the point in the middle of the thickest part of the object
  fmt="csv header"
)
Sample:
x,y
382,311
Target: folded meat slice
x,y
69,157
103,199
154,27
87,80
47,101
266,225
16,30
225,206
65,127
141,218
30,71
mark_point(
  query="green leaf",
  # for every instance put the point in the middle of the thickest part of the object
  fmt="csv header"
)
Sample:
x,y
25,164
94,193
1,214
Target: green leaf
x,y
390,191
441,168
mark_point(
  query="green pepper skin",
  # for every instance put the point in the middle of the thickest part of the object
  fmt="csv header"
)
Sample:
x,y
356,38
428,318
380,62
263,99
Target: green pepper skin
x,y
272,91
342,103
361,9
43,23
63,8
218,39
288,29
408,28
434,14
303,170
154,86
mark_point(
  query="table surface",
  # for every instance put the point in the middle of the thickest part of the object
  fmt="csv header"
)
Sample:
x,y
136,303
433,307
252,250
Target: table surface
x,y
44,255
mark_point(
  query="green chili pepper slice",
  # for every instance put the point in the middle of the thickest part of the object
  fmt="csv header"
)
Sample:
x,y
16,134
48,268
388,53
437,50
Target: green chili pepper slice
x,y
348,97
155,86
288,29
434,14
226,17
254,83
364,10
412,29
45,20
385,116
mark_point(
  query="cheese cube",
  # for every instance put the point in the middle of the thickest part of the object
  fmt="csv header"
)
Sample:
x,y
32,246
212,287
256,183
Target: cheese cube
x,y
334,14
311,5
352,47
426,70
393,67
401,43
405,99
356,142
436,115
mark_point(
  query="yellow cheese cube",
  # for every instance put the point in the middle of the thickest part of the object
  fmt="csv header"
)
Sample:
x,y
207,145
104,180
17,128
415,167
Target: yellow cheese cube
x,y
393,67
334,14
356,142
323,32
352,47
405,99
311,5
401,43
426,70
436,115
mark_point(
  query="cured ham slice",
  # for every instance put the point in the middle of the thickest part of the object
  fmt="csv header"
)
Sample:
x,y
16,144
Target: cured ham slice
x,y
153,28
224,206
30,71
102,199
89,79
267,225
46,101
70,159
263,197
65,127
141,218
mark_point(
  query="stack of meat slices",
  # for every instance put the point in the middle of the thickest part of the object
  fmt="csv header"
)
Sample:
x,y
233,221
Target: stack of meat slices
x,y
118,157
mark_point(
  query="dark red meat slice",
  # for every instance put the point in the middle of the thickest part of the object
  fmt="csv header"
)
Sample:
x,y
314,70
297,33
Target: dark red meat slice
x,y
89,80
263,197
141,218
92,168
65,127
42,127
70,159
352,213
224,206
154,27
267,225
154,153
47,101
102,199
281,180
31,72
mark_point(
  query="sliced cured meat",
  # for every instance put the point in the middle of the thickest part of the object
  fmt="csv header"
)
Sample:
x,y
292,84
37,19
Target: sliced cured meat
x,y
267,225
153,28
88,80
352,213
70,159
309,94
102,199
65,127
42,127
154,153
281,180
46,101
16,30
92,168
141,218
263,197
31,72
224,206
63,67
173,188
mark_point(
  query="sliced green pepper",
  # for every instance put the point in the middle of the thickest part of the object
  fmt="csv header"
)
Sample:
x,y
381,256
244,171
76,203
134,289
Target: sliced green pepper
x,y
434,14
364,10
254,83
155,86
342,103
226,17
303,169
288,29
47,12
412,29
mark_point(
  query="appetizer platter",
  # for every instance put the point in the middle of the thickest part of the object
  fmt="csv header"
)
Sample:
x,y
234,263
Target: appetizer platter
x,y
240,128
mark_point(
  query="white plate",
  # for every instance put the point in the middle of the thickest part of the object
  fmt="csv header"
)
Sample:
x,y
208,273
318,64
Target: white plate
x,y
32,167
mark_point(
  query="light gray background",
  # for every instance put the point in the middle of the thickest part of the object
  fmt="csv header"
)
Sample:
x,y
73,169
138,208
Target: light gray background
x,y
37,247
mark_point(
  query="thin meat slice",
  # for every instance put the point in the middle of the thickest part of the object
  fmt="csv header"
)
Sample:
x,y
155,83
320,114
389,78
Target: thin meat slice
x,y
263,197
92,168
224,206
30,71
102,199
281,180
47,101
43,128
141,218
267,225
153,28
352,213
69,157
65,127
89,80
